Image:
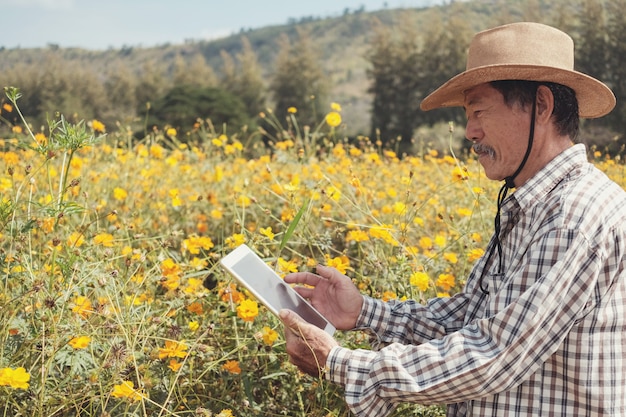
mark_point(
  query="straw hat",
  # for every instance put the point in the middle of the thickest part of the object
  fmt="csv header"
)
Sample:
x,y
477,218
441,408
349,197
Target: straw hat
x,y
524,51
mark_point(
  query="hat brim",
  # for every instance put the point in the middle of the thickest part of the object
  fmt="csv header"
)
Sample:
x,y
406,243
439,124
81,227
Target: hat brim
x,y
595,99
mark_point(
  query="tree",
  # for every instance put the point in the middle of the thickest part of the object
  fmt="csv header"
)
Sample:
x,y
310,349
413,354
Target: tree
x,y
120,87
298,79
196,71
152,84
405,66
244,78
615,73
183,104
382,58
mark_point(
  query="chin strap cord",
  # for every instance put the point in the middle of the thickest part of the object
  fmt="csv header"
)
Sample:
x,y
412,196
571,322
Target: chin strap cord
x,y
509,183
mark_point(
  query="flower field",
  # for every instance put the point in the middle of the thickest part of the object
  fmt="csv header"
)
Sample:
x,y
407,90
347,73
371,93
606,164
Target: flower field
x,y
112,301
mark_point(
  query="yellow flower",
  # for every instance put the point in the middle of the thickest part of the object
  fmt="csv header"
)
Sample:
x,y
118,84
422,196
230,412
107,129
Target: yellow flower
x,y
247,310
357,236
157,151
193,244
267,232
127,390
333,119
476,237
475,254
173,349
340,263
47,224
384,232
41,138
194,286
335,106
244,201
170,268
426,243
420,280
445,281
235,240
463,211
119,194
333,192
460,174
170,132
292,110
193,326
269,336
15,378
80,342
232,367
389,295
104,239
82,306
97,126
7,107
286,267
17,129
450,257
227,412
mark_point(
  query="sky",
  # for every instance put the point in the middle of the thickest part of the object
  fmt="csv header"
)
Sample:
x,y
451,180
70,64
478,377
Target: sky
x,y
104,24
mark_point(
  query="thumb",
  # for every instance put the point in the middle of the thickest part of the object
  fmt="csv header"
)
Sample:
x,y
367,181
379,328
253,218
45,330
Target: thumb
x,y
293,322
289,318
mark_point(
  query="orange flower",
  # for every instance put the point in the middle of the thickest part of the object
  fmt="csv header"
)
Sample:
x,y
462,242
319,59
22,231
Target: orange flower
x,y
173,349
232,367
174,365
195,308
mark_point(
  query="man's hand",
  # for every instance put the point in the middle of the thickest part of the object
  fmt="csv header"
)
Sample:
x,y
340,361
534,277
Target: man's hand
x,y
332,294
307,345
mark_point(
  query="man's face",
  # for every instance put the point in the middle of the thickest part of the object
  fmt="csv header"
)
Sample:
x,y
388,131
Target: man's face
x,y
499,132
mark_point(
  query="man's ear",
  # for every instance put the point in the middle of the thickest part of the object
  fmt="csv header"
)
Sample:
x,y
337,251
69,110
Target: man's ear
x,y
545,104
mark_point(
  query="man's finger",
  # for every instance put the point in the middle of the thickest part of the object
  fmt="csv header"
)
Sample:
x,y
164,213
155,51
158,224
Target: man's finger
x,y
305,278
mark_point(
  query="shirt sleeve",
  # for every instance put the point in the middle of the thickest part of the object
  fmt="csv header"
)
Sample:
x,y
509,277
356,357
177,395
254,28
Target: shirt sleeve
x,y
487,356
410,321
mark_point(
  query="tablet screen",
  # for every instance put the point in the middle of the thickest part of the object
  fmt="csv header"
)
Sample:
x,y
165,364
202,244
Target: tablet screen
x,y
272,290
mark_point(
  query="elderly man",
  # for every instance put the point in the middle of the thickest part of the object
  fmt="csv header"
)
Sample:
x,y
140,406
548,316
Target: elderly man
x,y
540,327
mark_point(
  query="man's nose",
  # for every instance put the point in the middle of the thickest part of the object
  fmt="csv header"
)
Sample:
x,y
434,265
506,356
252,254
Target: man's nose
x,y
473,131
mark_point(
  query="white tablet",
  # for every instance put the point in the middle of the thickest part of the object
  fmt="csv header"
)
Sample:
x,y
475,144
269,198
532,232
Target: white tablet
x,y
269,288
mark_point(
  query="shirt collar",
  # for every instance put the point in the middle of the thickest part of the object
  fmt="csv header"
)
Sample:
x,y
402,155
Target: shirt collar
x,y
548,177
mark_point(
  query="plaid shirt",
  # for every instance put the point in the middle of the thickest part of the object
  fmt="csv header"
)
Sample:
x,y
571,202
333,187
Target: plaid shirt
x,y
549,338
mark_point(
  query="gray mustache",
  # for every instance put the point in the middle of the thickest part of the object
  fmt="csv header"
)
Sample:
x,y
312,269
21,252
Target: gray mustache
x,y
480,148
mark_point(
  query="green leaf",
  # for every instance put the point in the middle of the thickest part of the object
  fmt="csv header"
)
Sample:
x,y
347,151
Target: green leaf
x,y
293,225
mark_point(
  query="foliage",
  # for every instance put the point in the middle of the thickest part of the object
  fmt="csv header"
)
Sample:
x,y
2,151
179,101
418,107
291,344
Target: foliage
x,y
182,105
298,80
